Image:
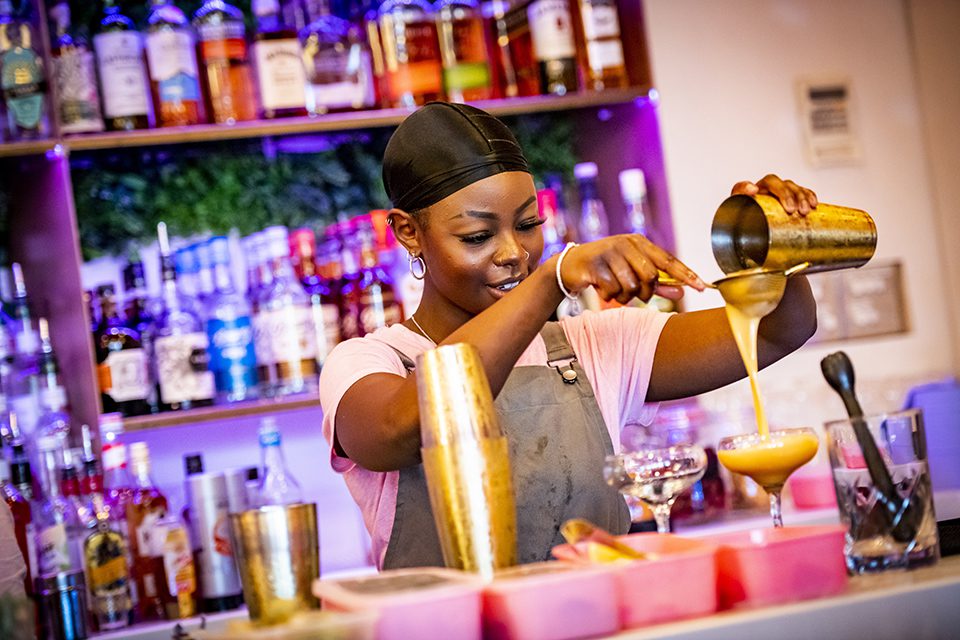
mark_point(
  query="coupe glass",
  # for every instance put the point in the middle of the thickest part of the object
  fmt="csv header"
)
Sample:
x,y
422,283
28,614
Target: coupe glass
x,y
769,459
656,476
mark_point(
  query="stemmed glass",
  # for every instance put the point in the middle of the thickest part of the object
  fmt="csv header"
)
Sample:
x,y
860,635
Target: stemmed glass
x,y
769,459
656,476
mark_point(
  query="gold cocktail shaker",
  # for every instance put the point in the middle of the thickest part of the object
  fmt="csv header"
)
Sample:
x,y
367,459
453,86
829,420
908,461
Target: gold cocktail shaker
x,y
755,231
466,461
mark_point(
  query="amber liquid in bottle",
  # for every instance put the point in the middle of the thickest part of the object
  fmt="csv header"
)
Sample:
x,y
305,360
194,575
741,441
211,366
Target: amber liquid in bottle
x,y
146,508
463,49
411,49
519,46
603,51
278,57
225,64
174,76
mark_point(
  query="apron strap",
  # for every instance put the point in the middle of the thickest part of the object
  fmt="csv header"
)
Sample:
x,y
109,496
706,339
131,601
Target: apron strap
x,y
407,363
559,351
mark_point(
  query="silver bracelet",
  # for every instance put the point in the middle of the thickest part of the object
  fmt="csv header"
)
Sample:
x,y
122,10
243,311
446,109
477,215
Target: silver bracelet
x,y
563,254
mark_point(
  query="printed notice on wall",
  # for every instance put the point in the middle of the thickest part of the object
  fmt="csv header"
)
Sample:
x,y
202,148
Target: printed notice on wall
x,y
860,303
827,122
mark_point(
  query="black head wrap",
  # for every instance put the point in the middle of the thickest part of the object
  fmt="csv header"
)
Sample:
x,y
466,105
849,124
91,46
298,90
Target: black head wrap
x,y
442,148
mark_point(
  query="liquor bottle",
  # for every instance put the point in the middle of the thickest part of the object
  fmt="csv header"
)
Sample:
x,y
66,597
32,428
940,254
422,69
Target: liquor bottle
x,y
172,58
188,278
593,216
554,226
23,381
180,348
278,59
411,49
277,484
54,421
605,64
339,65
519,44
22,526
463,50
105,554
323,305
123,73
633,188
205,284
348,248
55,519
251,258
122,364
75,76
502,72
377,304
230,331
228,78
180,587
22,78
145,509
284,337
91,480
138,310
371,28
551,29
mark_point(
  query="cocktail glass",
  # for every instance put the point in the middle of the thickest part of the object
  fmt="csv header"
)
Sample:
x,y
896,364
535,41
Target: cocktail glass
x,y
656,476
769,459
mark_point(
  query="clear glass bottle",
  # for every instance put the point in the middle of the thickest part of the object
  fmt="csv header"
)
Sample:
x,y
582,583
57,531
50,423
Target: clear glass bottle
x,y
285,341
75,76
554,46
277,484
411,49
22,80
146,508
463,50
278,60
605,65
122,362
55,519
205,285
230,331
554,226
182,360
323,304
54,421
124,82
593,216
339,63
633,189
172,58
228,78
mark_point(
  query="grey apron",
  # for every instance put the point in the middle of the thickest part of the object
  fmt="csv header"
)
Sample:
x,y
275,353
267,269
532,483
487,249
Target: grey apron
x,y
558,442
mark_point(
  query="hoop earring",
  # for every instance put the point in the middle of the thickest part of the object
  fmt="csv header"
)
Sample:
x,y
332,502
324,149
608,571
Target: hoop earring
x,y
423,267
526,255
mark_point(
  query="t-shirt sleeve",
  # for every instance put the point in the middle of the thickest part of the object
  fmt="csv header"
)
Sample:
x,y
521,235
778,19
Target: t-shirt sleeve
x,y
616,348
347,363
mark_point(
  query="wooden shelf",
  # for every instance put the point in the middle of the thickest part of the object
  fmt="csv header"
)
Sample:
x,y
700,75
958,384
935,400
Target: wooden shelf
x,y
221,412
320,124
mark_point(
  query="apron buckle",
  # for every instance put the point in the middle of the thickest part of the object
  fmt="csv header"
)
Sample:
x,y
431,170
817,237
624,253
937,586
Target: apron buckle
x,y
569,375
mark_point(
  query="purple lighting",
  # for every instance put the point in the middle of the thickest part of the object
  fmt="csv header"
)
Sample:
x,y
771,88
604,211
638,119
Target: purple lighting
x,y
55,153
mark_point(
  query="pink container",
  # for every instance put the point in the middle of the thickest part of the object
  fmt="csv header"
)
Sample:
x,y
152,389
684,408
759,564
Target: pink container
x,y
769,566
550,601
680,583
812,490
412,603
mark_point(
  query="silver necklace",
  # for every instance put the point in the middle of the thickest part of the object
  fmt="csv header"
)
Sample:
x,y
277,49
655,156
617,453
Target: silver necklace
x,y
425,334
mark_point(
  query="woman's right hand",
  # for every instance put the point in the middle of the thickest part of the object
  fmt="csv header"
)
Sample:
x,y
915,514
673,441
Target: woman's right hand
x,y
624,267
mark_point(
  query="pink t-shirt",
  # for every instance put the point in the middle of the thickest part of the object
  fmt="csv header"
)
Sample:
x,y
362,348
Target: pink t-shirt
x,y
614,347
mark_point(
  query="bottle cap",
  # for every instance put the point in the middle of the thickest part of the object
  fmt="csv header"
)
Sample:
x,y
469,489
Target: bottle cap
x,y
585,170
268,433
139,453
633,185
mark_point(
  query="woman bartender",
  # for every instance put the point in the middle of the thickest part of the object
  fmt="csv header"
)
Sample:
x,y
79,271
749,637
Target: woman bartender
x,y
465,209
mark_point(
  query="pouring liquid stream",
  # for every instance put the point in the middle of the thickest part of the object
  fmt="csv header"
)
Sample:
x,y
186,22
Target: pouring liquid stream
x,y
745,331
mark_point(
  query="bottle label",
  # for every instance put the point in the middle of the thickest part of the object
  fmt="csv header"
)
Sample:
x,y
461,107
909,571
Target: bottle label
x,y
106,562
22,82
123,75
281,74
173,65
551,29
178,564
605,54
124,376
76,80
600,20
326,324
150,536
182,374
413,66
467,75
223,42
284,336
379,309
233,359
54,551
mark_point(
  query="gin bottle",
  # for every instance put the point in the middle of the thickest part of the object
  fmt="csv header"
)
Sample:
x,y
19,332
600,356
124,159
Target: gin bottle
x,y
172,57
229,331
75,76
123,72
180,349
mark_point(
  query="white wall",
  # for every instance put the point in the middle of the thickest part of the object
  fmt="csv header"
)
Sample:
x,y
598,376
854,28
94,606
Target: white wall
x,y
726,74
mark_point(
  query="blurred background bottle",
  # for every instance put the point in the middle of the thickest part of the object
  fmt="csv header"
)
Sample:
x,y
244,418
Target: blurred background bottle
x,y
23,81
463,51
122,69
411,50
225,64
172,59
277,484
554,46
593,215
605,66
74,75
278,62
122,362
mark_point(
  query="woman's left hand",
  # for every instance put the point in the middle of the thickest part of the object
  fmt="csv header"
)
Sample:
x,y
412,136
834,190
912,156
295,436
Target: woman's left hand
x,y
793,197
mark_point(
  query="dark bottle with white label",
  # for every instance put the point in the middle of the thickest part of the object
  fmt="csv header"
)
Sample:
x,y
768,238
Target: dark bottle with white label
x,y
121,360
123,72
184,379
551,29
278,58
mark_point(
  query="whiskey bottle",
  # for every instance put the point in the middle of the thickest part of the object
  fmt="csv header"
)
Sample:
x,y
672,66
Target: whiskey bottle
x,y
224,60
502,70
463,49
411,49
22,80
278,59
75,76
122,364
172,57
145,509
123,73
554,47
605,65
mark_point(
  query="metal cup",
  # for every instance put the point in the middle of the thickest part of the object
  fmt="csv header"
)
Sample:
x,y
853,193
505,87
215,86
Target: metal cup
x,y
755,231
465,461
63,605
277,549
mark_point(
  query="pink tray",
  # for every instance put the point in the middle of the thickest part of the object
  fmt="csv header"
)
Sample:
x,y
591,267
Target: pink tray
x,y
769,566
680,583
550,601
412,603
